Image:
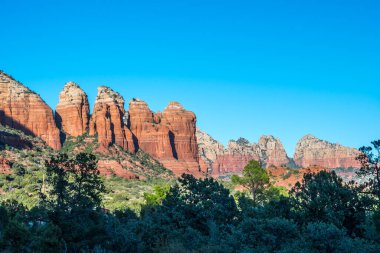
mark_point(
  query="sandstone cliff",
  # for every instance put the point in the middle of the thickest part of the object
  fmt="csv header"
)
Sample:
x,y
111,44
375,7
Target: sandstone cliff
x,y
168,136
272,152
313,151
182,126
107,120
220,161
73,109
22,109
150,135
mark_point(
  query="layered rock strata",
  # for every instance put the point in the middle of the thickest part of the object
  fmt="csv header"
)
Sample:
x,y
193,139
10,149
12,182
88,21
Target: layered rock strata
x,y
73,109
22,109
313,151
107,120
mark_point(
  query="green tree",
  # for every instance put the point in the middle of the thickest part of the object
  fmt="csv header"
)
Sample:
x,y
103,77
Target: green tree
x,y
159,194
255,179
74,182
324,197
370,167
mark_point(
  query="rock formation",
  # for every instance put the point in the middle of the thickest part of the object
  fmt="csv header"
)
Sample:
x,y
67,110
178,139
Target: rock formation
x,y
220,161
235,157
313,151
107,121
209,149
22,109
73,109
168,136
182,136
150,135
272,152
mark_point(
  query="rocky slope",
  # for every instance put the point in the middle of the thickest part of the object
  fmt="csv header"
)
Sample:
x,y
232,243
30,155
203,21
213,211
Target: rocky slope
x,y
22,109
73,110
313,151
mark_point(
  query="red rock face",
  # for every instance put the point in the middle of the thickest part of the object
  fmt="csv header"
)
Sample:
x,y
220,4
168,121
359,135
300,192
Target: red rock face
x,y
269,151
22,109
168,136
313,151
107,120
272,152
182,125
231,164
150,135
73,109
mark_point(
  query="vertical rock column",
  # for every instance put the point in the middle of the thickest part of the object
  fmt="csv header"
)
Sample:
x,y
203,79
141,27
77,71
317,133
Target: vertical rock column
x,y
72,112
107,120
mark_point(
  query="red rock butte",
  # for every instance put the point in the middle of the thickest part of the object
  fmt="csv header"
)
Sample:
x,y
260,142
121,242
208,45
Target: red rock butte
x,y
73,110
22,109
171,137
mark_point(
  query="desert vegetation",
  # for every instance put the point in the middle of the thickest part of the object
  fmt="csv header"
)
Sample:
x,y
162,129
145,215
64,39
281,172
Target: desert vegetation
x,y
321,213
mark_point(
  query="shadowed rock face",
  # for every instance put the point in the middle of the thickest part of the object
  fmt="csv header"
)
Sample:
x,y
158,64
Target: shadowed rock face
x,y
313,151
22,109
73,109
107,120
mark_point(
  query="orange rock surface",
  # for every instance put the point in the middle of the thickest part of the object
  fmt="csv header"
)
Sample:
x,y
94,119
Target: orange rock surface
x,y
168,136
73,109
149,134
107,120
22,109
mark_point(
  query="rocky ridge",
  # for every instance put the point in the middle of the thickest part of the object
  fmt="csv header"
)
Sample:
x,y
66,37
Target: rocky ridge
x,y
270,152
313,151
170,137
22,109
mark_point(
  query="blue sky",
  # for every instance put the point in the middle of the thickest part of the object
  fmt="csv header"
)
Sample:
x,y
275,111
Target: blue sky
x,y
246,68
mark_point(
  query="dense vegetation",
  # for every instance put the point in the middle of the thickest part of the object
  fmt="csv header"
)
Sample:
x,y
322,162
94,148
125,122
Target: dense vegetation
x,y
321,213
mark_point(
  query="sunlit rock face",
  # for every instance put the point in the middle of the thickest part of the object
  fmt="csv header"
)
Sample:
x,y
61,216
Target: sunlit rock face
x,y
313,151
107,120
73,109
22,109
168,136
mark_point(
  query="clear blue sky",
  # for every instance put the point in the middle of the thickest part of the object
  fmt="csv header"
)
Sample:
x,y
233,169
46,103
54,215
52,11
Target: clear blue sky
x,y
246,68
